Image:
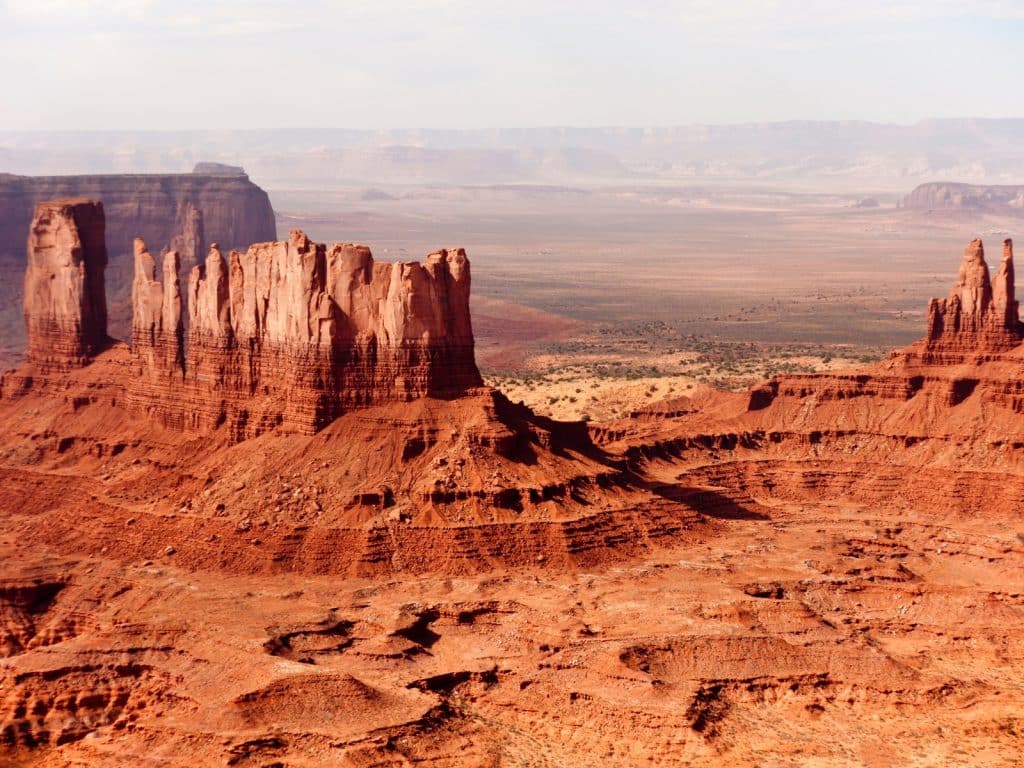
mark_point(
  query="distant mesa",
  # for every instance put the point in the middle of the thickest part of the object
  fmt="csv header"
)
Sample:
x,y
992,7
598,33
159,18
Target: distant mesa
x,y
951,197
218,169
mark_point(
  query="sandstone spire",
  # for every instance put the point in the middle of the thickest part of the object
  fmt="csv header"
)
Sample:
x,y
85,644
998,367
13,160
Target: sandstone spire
x,y
208,296
65,298
979,315
1003,301
157,332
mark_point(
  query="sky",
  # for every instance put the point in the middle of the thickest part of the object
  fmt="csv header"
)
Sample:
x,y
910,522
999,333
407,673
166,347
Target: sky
x,y
202,64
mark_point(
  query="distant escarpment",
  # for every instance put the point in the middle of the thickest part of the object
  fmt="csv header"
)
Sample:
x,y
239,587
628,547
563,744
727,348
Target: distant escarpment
x,y
181,212
185,212
977,198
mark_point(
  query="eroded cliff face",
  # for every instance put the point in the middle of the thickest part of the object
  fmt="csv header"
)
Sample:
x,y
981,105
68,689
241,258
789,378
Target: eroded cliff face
x,y
294,333
65,296
157,328
180,212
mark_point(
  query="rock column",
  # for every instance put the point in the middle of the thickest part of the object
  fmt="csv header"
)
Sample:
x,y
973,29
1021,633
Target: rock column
x,y
65,297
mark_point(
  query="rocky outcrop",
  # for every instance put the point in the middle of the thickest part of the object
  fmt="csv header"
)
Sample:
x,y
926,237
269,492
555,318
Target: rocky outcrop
x,y
157,328
980,315
294,333
976,198
65,296
181,212
976,327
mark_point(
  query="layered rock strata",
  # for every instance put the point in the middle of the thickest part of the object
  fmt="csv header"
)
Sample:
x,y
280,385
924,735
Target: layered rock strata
x,y
294,333
65,296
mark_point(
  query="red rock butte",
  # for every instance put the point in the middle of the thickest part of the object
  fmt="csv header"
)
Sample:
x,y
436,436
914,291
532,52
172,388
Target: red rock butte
x,y
292,334
65,294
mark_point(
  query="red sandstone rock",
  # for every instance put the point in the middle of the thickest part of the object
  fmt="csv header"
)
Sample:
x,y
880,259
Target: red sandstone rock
x,y
979,316
293,334
65,296
157,330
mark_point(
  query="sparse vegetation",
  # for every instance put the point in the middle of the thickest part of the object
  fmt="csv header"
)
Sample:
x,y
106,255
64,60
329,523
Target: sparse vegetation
x,y
622,367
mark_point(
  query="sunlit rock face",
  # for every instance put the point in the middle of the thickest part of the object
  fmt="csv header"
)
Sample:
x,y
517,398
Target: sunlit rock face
x,y
294,333
65,298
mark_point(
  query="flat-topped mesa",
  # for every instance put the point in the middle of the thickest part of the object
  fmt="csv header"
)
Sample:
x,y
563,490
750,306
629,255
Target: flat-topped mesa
x,y
65,297
979,316
293,334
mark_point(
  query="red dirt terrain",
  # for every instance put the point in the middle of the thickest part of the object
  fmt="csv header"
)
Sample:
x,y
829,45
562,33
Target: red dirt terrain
x,y
826,571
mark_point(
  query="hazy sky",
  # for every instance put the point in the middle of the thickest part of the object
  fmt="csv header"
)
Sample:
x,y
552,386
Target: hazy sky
x,y
461,63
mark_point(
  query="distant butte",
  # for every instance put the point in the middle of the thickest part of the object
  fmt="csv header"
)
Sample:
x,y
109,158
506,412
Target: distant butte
x,y
950,197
